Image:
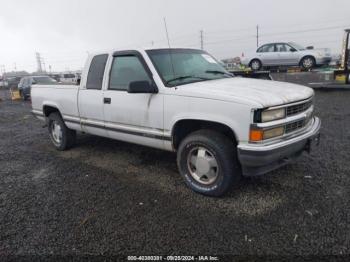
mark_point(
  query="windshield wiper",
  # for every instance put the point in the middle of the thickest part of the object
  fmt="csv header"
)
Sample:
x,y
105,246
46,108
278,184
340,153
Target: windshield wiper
x,y
185,77
219,72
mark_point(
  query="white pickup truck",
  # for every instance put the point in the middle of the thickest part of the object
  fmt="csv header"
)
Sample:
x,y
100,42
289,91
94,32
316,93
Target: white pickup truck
x,y
183,100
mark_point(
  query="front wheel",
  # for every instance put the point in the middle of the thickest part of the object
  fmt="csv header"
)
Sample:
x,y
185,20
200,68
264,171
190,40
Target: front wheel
x,y
255,65
208,162
61,136
308,62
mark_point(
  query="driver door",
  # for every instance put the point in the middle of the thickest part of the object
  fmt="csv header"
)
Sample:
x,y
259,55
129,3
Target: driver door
x,y
132,117
285,55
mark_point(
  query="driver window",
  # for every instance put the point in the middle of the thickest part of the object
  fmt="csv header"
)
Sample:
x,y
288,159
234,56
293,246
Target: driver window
x,y
281,48
126,69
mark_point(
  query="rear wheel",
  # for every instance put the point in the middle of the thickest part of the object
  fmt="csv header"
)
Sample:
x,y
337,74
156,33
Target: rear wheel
x,y
255,64
61,136
308,62
208,162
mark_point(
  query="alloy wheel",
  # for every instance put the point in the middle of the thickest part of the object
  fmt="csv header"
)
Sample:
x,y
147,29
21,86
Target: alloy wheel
x,y
56,132
202,165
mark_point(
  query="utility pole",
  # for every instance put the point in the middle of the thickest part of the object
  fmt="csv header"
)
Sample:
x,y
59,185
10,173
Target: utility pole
x,y
43,63
38,61
257,35
201,34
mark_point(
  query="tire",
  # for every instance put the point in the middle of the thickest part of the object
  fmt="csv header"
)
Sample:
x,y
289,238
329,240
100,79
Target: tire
x,y
61,136
218,147
308,62
255,64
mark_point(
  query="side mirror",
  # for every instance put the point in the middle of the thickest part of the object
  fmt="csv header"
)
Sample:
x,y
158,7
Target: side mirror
x,y
292,49
309,47
138,87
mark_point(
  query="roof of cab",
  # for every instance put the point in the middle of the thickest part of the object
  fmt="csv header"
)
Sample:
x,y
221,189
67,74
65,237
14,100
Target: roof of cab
x,y
139,49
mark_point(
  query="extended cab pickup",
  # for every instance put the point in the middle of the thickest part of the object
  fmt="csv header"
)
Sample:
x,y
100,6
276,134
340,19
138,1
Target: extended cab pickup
x,y
183,100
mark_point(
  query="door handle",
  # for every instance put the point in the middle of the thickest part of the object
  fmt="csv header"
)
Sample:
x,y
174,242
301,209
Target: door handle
x,y
107,100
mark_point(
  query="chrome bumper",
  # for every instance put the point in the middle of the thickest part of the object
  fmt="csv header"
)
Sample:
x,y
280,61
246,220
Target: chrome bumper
x,y
258,159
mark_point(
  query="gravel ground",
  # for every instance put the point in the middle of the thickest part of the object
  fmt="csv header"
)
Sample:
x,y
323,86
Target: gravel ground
x,y
109,197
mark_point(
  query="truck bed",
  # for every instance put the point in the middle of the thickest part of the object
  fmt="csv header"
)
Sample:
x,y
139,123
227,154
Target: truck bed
x,y
61,96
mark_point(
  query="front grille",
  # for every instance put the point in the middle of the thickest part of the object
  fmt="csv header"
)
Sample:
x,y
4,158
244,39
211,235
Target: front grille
x,y
291,127
296,109
294,126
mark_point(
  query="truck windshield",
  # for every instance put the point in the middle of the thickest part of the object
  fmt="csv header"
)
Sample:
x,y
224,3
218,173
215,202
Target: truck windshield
x,y
184,66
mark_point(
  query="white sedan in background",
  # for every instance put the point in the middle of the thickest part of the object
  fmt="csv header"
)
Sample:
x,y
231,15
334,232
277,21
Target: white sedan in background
x,y
287,54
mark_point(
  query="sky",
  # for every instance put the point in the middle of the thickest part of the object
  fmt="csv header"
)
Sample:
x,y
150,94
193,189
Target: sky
x,y
65,31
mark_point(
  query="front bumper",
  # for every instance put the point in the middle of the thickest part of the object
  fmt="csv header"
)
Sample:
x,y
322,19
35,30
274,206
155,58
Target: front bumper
x,y
258,159
323,60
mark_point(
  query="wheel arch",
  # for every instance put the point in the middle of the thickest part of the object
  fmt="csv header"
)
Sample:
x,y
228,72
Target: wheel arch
x,y
48,109
184,127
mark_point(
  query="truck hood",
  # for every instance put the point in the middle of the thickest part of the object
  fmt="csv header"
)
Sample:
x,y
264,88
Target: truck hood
x,y
258,93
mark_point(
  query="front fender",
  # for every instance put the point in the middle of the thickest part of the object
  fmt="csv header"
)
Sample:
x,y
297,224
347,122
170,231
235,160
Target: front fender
x,y
236,116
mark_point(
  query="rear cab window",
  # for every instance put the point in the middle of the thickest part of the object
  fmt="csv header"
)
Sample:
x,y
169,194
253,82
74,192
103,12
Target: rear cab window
x,y
96,72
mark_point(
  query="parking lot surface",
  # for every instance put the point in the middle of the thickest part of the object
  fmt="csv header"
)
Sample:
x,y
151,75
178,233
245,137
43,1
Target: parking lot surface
x,y
108,197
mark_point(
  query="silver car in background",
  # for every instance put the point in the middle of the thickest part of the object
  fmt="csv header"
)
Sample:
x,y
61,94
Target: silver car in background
x,y
287,54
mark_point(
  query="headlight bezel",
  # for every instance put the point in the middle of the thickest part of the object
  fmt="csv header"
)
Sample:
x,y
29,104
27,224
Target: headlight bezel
x,y
275,125
257,135
259,114
271,114
273,132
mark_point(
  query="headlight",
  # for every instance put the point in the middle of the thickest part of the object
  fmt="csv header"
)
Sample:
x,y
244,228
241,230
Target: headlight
x,y
273,132
257,135
271,115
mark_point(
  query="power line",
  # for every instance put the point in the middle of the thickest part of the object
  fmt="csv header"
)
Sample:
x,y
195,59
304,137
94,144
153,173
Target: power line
x,y
316,23
230,40
210,33
258,35
306,31
229,30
